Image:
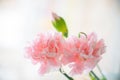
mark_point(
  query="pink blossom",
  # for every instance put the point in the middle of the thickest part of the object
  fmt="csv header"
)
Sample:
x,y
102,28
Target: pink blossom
x,y
51,50
46,50
84,53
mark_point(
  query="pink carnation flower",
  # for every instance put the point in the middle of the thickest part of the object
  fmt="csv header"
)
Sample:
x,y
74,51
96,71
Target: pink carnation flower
x,y
84,53
46,50
51,50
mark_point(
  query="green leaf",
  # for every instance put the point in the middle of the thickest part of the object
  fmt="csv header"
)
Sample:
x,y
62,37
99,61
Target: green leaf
x,y
59,24
82,33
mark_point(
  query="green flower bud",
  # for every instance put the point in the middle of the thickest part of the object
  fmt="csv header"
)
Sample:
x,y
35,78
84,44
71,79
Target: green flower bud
x,y
59,24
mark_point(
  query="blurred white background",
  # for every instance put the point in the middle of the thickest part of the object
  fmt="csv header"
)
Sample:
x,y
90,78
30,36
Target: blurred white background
x,y
21,20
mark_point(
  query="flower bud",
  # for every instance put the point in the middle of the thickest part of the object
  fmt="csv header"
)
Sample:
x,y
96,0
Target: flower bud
x,y
59,24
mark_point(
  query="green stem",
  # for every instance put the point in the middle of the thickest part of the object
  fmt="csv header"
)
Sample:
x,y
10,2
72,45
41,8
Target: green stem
x,y
92,77
103,76
66,75
96,77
